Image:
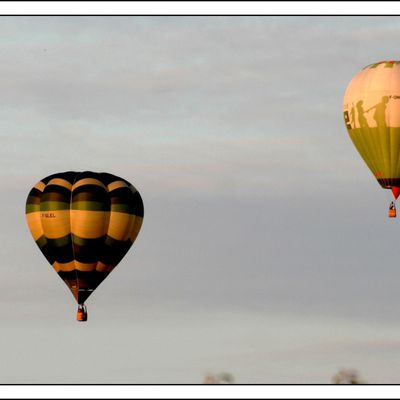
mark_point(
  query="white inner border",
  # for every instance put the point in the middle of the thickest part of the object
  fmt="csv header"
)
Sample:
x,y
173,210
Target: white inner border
x,y
200,7
215,8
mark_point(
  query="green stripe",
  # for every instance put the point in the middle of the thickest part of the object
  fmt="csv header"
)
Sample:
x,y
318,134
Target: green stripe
x,y
60,242
30,208
87,242
41,242
53,206
123,208
90,206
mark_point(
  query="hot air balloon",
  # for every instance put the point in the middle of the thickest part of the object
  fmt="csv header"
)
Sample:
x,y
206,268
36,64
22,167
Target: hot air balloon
x,y
84,223
371,110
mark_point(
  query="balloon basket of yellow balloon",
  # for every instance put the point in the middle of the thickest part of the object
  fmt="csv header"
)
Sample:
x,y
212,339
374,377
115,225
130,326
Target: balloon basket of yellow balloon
x,y
392,210
81,314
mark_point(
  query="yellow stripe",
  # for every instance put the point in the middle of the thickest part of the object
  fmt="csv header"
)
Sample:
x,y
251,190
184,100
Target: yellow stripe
x,y
60,182
35,224
85,267
121,225
65,267
89,224
136,228
104,268
40,186
56,224
116,185
88,181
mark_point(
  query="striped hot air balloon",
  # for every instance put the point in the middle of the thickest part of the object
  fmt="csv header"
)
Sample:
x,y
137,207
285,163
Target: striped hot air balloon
x,y
84,223
371,110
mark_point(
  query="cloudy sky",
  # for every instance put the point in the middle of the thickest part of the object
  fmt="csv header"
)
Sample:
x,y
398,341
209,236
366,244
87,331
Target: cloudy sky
x,y
265,250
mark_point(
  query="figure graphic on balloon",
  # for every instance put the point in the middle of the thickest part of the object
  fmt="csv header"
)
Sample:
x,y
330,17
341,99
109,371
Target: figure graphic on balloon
x,y
361,118
84,223
379,146
380,112
353,117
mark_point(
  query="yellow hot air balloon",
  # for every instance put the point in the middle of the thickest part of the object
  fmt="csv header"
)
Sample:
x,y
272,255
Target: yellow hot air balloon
x,y
84,223
371,110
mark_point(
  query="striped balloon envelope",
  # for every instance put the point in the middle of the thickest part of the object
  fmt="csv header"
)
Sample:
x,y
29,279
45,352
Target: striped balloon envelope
x,y
371,109
84,223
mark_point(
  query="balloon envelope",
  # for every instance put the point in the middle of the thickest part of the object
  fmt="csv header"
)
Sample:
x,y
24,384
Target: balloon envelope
x,y
84,223
371,110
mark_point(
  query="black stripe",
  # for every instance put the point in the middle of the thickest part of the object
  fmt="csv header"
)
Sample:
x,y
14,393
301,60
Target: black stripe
x,y
91,193
90,279
33,199
87,174
387,183
56,193
35,193
48,253
138,205
63,254
90,251
125,196
113,251
121,195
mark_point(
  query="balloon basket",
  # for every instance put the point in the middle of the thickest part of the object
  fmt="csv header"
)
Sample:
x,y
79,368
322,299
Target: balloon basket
x,y
392,210
81,314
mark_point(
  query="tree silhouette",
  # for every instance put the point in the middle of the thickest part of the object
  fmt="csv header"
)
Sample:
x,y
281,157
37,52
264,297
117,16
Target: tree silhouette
x,y
347,377
218,379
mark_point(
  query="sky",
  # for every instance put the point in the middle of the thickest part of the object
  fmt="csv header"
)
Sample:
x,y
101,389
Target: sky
x,y
265,251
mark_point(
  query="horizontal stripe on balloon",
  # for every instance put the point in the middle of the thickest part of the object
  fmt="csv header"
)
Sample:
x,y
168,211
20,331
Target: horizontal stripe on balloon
x,y
87,250
35,224
56,223
34,196
116,185
69,266
60,182
88,181
41,241
123,208
69,176
90,206
136,228
54,205
90,193
61,241
89,224
101,267
61,249
31,208
114,251
85,267
40,186
53,192
120,226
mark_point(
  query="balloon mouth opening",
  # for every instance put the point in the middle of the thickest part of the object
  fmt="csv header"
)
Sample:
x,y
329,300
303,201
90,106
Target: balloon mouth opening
x,y
395,191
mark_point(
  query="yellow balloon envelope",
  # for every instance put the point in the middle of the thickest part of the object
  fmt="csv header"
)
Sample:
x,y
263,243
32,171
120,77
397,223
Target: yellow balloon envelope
x,y
371,110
